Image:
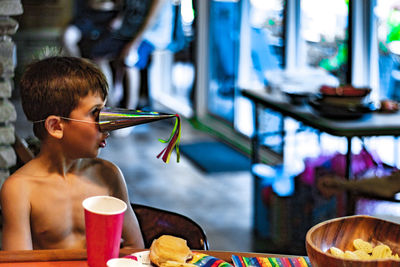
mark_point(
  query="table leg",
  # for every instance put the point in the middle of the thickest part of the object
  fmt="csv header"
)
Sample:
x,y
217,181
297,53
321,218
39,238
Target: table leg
x,y
348,159
282,133
396,153
255,159
255,138
350,199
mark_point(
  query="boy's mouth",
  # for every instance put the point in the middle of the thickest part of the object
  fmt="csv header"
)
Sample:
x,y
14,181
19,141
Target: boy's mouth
x,y
103,144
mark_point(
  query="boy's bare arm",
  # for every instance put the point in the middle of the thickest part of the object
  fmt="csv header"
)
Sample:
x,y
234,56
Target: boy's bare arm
x,y
16,216
131,233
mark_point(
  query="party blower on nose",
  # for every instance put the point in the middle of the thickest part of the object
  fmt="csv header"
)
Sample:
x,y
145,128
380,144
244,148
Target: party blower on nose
x,y
111,119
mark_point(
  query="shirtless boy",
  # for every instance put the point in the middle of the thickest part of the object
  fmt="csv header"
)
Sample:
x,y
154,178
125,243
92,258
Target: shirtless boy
x,y
42,201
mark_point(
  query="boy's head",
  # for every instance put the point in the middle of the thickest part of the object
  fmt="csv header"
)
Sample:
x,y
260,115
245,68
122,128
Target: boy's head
x,y
55,85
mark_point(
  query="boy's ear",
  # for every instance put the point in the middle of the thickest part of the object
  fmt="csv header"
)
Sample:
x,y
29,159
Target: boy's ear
x,y
54,126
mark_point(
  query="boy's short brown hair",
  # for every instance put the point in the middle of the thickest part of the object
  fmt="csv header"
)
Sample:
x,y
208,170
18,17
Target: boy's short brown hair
x,y
54,86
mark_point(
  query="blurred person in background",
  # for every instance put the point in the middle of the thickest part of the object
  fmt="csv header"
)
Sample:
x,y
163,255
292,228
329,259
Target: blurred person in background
x,y
109,32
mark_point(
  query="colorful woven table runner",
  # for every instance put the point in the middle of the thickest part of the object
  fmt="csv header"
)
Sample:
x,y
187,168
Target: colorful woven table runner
x,y
204,260
240,261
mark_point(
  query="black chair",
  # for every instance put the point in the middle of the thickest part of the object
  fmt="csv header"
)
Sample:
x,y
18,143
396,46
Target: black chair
x,y
155,222
23,152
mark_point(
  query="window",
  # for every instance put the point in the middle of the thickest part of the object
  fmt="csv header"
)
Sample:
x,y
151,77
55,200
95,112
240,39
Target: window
x,y
339,40
265,24
387,14
261,52
324,30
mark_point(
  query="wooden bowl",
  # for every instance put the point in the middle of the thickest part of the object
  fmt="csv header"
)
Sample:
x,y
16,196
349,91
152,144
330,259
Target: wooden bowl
x,y
341,232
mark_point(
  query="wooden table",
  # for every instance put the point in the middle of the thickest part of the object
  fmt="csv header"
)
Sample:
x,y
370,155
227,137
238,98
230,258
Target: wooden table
x,y
77,257
373,124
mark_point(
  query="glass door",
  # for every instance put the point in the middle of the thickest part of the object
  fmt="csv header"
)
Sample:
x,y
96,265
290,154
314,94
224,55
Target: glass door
x,y
172,71
261,53
387,14
224,29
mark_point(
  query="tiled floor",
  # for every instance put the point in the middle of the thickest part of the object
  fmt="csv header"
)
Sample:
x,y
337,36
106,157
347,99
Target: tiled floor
x,y
220,203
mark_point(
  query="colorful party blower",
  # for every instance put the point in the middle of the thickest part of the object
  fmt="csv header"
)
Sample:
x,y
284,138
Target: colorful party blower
x,y
111,119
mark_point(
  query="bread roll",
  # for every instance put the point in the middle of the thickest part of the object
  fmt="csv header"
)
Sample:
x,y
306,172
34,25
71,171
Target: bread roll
x,y
171,249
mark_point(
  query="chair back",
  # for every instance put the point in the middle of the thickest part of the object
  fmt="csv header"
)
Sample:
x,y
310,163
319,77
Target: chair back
x,y
22,151
155,222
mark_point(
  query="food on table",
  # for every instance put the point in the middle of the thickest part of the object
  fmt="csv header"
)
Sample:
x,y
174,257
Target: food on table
x,y
350,255
344,101
177,264
361,254
365,251
336,252
360,244
381,251
388,105
170,251
344,90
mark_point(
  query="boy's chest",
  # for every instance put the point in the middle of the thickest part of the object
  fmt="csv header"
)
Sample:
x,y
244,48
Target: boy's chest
x,y
57,214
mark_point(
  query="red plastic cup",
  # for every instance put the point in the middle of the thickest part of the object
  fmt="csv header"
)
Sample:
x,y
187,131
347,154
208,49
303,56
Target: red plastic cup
x,y
104,216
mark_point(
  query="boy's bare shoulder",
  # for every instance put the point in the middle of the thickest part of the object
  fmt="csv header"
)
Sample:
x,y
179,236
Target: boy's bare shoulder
x,y
101,169
99,164
104,170
17,183
14,180
24,173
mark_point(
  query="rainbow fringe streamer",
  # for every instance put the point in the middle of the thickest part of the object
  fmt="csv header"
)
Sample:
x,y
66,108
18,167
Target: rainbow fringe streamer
x,y
173,142
240,261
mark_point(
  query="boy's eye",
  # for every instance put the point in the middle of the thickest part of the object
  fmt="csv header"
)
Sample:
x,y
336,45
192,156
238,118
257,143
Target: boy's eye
x,y
95,113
